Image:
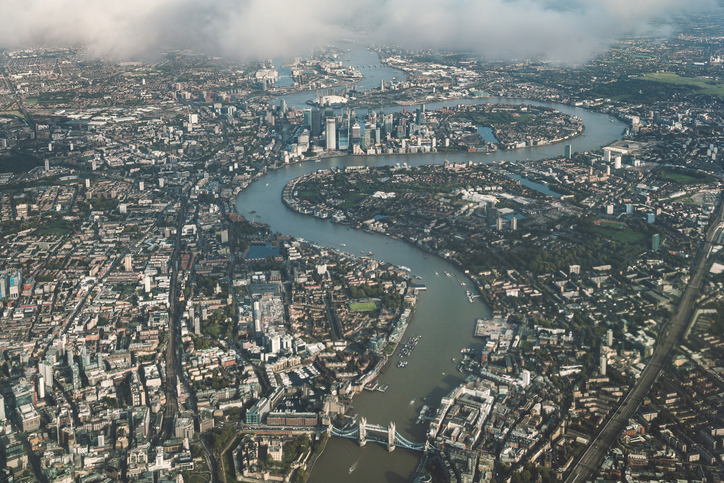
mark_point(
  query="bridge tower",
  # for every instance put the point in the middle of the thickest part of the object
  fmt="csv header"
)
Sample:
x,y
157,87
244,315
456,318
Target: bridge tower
x,y
362,431
391,437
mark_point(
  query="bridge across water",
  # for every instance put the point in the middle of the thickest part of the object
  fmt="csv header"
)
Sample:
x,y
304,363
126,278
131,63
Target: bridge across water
x,y
361,434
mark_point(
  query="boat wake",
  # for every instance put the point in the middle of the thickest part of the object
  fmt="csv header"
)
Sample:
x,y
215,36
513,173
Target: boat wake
x,y
354,466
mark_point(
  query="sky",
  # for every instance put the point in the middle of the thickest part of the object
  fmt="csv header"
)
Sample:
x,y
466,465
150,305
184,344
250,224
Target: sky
x,y
570,31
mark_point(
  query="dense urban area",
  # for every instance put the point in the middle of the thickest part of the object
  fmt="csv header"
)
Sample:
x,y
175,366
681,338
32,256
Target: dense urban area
x,y
152,331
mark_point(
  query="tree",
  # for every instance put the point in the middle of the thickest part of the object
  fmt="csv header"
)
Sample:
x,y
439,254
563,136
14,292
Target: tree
x,y
301,476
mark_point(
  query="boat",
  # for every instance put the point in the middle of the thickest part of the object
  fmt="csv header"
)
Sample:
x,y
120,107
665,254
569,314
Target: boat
x,y
409,346
370,253
437,274
454,360
402,267
267,184
447,274
343,244
423,414
402,364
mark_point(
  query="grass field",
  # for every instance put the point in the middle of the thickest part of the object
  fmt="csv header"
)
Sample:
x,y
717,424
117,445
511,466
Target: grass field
x,y
49,99
352,200
679,178
626,236
704,86
56,227
685,199
227,460
683,177
489,118
525,345
17,114
612,224
362,307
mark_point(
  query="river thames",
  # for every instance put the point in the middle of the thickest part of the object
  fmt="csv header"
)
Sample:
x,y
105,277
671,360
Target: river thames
x,y
443,316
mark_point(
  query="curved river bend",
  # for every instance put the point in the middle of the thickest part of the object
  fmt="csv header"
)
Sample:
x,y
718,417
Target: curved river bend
x,y
443,316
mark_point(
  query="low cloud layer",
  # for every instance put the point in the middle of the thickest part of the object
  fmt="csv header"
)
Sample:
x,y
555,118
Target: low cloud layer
x,y
563,30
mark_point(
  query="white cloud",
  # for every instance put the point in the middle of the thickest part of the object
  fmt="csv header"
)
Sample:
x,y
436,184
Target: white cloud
x,y
568,30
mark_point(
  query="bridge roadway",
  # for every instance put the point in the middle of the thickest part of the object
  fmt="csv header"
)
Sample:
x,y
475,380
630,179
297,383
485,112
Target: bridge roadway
x,y
401,441
672,332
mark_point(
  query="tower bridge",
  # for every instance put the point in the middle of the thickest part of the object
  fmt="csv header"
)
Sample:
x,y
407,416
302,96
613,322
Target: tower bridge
x,y
393,439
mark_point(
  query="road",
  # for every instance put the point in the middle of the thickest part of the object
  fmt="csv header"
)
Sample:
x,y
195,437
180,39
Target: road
x,y
172,350
210,460
672,331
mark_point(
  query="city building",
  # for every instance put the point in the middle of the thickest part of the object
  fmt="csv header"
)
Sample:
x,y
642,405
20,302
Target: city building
x,y
331,135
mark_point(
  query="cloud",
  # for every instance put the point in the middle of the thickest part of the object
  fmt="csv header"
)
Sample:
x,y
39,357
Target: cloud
x,y
566,30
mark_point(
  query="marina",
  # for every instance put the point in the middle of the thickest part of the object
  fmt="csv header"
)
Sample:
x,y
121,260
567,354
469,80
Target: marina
x,y
374,386
409,346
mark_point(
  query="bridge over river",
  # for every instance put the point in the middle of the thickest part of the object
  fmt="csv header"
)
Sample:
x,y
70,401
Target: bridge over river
x,y
361,433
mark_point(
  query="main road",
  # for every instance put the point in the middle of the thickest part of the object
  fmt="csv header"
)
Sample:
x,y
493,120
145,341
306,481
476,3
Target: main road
x,y
672,332
173,355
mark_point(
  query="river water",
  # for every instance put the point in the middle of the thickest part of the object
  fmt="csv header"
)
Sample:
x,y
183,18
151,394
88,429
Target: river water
x,y
367,62
443,317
